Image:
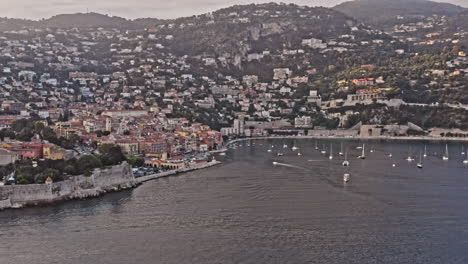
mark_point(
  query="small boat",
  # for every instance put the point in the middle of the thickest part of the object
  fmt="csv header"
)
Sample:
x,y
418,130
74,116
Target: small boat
x,y
341,150
420,165
331,152
269,150
222,154
294,148
465,161
299,154
394,165
323,150
346,162
280,154
285,146
275,163
463,150
446,155
425,151
363,154
390,155
359,147
346,177
316,145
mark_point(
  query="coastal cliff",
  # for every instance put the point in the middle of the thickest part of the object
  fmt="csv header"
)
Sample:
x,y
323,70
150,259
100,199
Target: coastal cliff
x,y
116,178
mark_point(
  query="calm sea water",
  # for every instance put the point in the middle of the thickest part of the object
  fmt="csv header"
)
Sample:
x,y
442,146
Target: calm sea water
x,y
249,211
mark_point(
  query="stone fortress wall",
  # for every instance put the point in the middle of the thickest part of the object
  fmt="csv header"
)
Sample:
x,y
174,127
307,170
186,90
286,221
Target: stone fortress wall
x,y
78,187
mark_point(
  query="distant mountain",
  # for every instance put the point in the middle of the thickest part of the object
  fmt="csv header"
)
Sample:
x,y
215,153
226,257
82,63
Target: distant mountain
x,y
386,13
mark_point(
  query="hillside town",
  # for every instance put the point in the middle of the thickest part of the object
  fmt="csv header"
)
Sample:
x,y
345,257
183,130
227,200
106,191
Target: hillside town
x,y
134,88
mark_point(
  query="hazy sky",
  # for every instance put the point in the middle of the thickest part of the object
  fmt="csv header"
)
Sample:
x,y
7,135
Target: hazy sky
x,y
37,9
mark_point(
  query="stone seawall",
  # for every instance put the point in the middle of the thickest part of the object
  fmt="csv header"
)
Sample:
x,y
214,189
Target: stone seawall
x,y
79,187
174,172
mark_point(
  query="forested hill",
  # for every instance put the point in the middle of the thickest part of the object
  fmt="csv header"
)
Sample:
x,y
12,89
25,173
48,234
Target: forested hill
x,y
387,13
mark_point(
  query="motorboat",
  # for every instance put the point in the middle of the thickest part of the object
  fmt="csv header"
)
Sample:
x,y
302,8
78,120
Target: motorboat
x,y
346,177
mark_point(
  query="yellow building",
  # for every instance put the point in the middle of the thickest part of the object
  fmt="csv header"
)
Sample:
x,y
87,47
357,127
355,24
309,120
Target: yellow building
x,y
53,152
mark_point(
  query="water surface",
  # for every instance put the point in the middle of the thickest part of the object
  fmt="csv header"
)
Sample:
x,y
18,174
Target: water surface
x,y
249,211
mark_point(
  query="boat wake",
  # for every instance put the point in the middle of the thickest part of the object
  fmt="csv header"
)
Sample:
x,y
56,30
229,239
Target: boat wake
x,y
288,165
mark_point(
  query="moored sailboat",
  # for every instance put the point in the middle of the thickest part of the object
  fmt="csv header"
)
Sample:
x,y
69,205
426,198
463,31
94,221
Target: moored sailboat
x,y
420,165
363,154
346,162
446,154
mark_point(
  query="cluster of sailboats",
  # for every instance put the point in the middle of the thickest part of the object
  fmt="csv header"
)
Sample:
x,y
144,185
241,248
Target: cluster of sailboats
x,y
362,148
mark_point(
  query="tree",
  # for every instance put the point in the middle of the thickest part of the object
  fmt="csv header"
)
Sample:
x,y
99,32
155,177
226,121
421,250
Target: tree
x,y
111,154
24,178
251,109
87,163
136,161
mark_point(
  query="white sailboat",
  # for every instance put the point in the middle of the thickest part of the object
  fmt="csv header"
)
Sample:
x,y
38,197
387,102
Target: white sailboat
x,y
409,158
331,152
280,154
363,154
316,145
465,161
425,151
463,150
299,154
446,155
346,162
420,165
341,150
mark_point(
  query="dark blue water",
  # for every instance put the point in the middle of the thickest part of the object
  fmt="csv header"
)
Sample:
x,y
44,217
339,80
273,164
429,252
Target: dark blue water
x,y
249,211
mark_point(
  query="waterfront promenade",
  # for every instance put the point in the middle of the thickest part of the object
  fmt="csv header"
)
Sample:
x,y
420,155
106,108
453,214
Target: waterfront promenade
x,y
177,171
